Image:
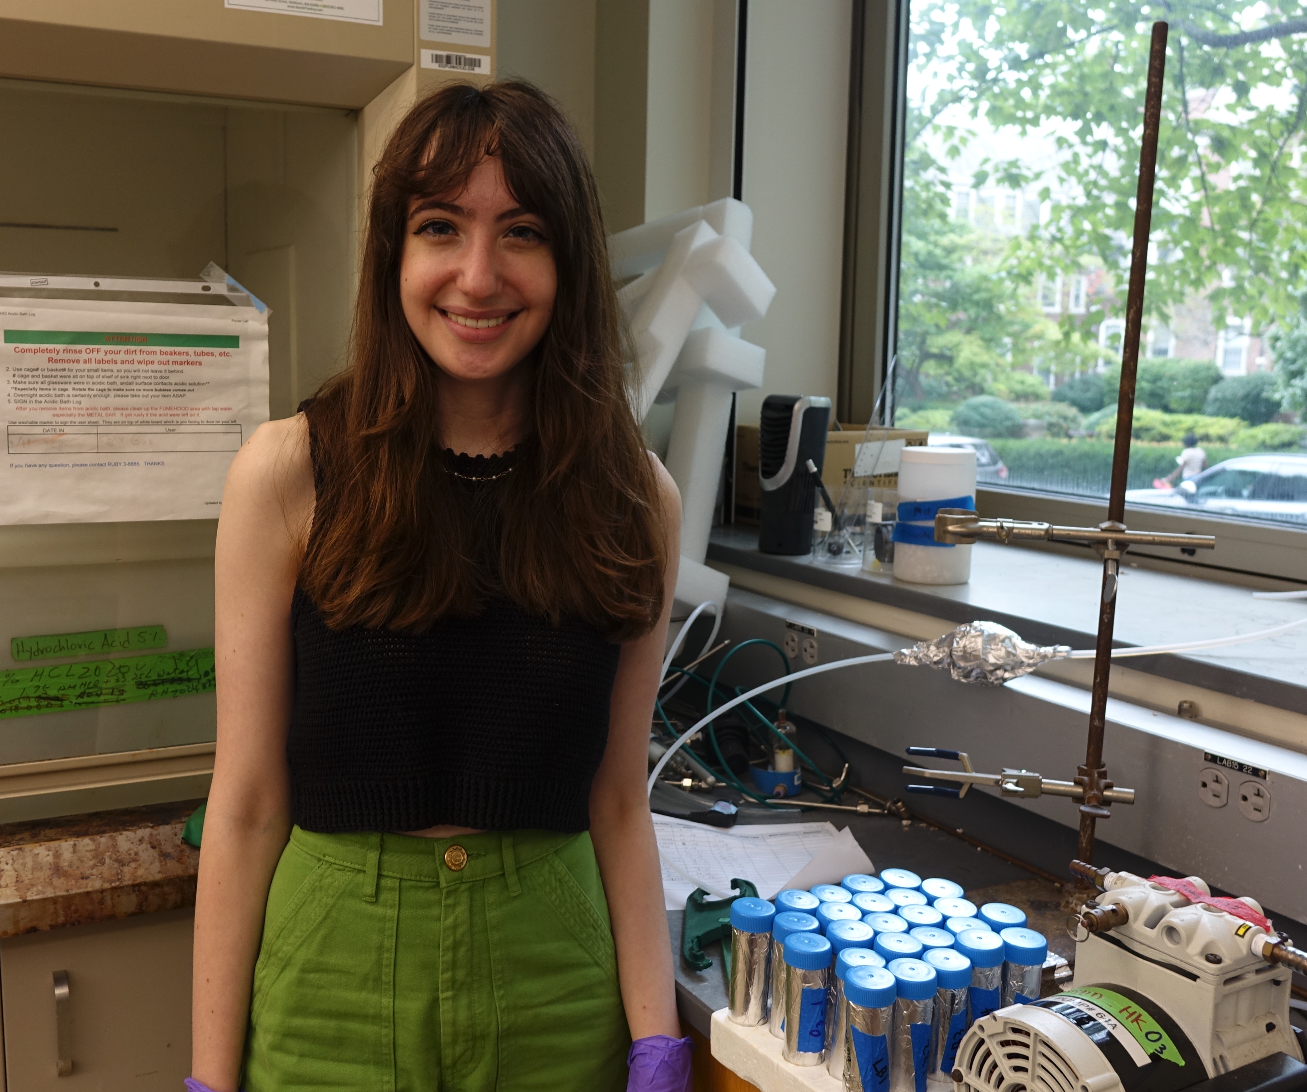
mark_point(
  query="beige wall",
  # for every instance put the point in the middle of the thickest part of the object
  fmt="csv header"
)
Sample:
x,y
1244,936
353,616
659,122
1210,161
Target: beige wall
x,y
795,136
553,46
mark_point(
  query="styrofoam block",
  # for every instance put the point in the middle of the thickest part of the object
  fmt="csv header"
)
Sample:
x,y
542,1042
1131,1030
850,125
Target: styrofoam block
x,y
695,584
730,281
712,354
639,249
694,458
755,1055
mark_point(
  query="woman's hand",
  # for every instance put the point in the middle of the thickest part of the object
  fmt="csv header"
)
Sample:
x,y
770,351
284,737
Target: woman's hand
x,y
660,1063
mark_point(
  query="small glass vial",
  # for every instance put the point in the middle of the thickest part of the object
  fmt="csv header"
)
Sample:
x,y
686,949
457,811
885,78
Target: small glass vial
x,y
1001,915
897,946
782,745
914,1014
807,995
952,980
870,994
956,908
985,949
900,877
935,888
751,926
921,915
1024,952
873,902
860,883
830,912
846,959
791,921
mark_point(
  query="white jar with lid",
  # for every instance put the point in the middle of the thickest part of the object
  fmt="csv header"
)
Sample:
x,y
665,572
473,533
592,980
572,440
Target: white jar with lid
x,y
932,474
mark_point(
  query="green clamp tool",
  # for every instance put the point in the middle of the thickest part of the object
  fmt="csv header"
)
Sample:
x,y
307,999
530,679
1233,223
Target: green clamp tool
x,y
708,921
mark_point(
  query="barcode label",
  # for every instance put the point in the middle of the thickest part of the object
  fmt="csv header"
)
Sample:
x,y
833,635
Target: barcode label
x,y
478,63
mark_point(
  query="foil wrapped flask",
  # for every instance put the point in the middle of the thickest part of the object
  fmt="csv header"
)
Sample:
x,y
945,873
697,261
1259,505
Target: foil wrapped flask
x,y
981,652
807,986
914,1014
1001,915
870,994
985,949
859,882
1024,952
791,921
952,979
900,877
751,925
846,938
935,889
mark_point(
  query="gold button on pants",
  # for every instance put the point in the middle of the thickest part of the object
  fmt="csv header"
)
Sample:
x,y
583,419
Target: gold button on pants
x,y
456,858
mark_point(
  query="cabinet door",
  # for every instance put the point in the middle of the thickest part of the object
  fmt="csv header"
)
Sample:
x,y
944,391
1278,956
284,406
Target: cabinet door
x,y
127,1023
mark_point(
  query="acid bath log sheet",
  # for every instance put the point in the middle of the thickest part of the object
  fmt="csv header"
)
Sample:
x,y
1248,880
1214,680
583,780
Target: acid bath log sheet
x,y
125,411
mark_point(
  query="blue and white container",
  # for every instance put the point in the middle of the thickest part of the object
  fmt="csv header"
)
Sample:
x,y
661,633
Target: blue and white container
x,y
873,902
792,898
1000,915
870,994
791,921
887,923
921,915
914,1014
897,946
900,877
751,925
850,934
830,912
1024,952
952,979
956,908
860,883
931,937
847,960
829,892
931,478
958,926
935,889
985,949
807,995
903,896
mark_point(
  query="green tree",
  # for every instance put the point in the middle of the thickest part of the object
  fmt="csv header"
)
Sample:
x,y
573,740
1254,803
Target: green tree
x,y
1249,397
1288,341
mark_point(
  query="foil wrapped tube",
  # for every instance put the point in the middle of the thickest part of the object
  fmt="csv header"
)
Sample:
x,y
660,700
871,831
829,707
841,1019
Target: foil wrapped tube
x,y
909,1052
950,1025
776,991
986,991
750,955
981,652
1021,984
807,996
868,1033
837,1024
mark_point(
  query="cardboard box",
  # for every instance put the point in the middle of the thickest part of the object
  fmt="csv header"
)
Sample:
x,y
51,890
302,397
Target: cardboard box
x,y
842,450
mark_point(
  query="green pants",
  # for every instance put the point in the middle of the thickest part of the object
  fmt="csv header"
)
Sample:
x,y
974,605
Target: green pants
x,y
399,964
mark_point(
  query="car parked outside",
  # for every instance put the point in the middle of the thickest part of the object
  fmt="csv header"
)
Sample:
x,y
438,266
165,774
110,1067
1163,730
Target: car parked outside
x,y
989,467
1270,486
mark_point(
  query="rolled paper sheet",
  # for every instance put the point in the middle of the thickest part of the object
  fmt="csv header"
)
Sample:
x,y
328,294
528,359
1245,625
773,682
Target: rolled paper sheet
x,y
981,652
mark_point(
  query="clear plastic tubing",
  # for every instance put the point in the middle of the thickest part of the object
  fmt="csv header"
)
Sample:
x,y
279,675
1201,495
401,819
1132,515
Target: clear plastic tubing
x,y
1000,915
921,915
957,926
870,994
902,896
873,902
807,989
1024,952
952,979
985,949
914,1015
751,925
858,883
785,923
900,877
936,888
846,958
886,923
897,946
829,892
956,908
830,912
931,937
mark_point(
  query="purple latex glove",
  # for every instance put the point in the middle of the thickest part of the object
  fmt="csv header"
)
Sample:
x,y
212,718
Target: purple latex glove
x,y
192,1085
659,1063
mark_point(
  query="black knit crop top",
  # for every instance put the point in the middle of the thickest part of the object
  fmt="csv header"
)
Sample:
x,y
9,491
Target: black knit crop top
x,y
496,722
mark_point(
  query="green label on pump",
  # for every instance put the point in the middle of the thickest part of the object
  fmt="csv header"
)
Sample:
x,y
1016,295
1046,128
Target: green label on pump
x,y
1132,1018
87,643
27,691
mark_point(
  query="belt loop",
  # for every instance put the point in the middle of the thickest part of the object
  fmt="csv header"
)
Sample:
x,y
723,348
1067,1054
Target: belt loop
x,y
370,870
510,864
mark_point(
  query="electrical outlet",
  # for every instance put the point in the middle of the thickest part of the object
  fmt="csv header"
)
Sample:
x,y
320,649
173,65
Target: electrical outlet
x,y
1255,801
809,649
1213,788
791,644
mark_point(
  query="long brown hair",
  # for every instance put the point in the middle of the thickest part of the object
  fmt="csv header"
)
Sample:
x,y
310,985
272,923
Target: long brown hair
x,y
577,529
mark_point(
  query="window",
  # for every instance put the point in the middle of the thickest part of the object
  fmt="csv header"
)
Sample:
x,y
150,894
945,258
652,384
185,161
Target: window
x,y
1008,319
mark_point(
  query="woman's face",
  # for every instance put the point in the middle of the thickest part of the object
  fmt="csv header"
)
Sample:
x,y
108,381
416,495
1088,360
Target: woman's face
x,y
477,277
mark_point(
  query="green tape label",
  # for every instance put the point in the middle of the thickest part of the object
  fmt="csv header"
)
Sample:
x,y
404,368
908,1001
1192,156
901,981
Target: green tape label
x,y
1131,1017
27,691
84,337
89,643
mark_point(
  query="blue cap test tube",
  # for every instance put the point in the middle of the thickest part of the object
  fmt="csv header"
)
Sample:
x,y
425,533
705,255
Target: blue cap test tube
x,y
830,912
870,902
886,923
900,877
903,896
932,937
914,1013
921,915
751,926
1001,915
859,882
791,921
956,908
869,993
807,995
850,934
846,959
897,946
953,979
1024,952
985,949
957,926
829,892
792,898
936,888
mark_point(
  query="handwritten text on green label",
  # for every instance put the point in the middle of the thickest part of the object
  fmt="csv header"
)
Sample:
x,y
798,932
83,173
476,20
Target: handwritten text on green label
x,y
1139,1023
88,643
26,691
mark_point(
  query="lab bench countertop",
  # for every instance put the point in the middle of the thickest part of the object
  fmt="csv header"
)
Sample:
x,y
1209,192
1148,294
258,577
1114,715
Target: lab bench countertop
x,y
85,868
894,844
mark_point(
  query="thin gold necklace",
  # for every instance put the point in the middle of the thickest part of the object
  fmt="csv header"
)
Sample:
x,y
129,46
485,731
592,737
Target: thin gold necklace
x,y
482,478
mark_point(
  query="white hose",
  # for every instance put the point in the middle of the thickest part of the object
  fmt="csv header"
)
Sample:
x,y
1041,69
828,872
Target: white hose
x,y
680,636
1194,646
1280,595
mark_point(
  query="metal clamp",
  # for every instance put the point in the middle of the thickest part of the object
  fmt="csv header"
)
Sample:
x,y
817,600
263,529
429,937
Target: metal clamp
x,y
63,1023
1022,783
962,527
